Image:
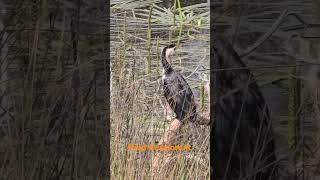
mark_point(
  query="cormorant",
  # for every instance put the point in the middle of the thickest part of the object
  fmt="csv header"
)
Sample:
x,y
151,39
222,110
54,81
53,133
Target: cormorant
x,y
176,89
243,142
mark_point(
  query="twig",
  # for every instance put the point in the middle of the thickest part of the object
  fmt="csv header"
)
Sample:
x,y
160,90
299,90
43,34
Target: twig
x,y
266,35
195,69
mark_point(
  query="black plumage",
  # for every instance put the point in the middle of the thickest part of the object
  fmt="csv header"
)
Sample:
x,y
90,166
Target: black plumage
x,y
176,89
243,143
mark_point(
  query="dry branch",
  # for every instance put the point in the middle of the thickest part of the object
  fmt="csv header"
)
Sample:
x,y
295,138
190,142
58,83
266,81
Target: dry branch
x,y
168,137
171,132
262,39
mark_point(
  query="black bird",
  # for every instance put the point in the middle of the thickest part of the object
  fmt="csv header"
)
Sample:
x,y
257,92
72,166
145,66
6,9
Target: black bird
x,y
176,89
243,144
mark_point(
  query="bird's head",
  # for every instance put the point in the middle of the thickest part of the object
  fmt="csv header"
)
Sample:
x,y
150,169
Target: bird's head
x,y
169,50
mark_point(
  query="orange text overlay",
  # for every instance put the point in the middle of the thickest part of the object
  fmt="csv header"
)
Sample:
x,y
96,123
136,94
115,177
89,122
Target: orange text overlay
x,y
159,148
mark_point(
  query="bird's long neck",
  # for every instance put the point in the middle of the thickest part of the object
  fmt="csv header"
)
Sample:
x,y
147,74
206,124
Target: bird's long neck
x,y
165,64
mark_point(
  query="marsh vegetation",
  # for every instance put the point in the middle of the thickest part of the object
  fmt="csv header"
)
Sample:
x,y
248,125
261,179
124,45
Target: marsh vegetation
x,y
52,88
138,33
284,64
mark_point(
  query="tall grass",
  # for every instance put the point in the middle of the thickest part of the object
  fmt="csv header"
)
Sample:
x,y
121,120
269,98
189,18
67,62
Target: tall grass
x,y
285,89
54,91
137,111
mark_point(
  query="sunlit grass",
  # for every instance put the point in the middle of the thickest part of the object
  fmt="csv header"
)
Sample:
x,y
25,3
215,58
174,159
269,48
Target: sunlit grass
x,y
137,111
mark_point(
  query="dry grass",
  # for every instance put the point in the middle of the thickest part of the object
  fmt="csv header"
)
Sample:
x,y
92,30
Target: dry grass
x,y
293,44
138,106
53,118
